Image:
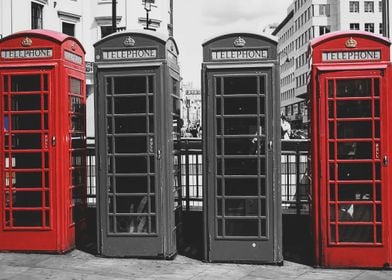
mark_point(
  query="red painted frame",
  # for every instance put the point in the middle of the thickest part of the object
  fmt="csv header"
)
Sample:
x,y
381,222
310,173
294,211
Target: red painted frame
x,y
65,60
346,254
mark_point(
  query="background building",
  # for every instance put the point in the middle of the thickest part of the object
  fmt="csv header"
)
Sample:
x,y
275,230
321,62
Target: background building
x,y
191,105
305,20
88,21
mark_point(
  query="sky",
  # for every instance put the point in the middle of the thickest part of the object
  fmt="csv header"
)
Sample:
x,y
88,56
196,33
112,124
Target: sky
x,y
198,20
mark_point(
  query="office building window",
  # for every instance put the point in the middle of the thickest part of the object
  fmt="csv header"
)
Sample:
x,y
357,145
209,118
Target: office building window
x,y
324,10
369,27
380,6
36,16
106,30
369,7
354,26
380,28
324,29
354,6
69,29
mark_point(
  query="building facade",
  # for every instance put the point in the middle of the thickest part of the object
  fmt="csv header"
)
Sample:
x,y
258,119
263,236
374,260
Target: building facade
x,y
305,20
88,21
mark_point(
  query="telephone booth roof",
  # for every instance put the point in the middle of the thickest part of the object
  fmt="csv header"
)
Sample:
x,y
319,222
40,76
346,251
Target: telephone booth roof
x,y
349,43
240,47
145,40
38,44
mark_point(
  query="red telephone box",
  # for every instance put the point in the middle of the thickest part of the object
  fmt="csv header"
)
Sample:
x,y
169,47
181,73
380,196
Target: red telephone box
x,y
42,142
351,145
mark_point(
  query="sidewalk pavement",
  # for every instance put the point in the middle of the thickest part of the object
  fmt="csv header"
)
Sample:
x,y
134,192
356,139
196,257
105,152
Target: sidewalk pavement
x,y
80,265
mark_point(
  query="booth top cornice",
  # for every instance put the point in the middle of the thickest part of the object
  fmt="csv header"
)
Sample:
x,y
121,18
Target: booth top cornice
x,y
161,37
50,35
339,34
261,36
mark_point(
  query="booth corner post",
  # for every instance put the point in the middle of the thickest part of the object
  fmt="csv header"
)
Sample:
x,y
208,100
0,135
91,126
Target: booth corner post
x,y
242,149
351,182
43,128
139,187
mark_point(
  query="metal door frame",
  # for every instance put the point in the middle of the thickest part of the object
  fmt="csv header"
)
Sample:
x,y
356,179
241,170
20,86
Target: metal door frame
x,y
243,249
348,253
45,238
139,244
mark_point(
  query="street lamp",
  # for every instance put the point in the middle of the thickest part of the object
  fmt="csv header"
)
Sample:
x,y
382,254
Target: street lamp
x,y
287,56
147,7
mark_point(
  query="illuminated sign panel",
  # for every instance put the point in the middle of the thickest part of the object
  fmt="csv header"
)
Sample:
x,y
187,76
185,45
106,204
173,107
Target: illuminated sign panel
x,y
239,54
129,54
26,53
351,55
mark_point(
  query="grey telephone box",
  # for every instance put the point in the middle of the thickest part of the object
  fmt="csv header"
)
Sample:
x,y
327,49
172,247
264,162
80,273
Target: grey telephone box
x,y
137,142
241,143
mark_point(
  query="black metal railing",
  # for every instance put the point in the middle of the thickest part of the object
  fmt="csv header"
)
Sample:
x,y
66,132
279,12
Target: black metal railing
x,y
295,182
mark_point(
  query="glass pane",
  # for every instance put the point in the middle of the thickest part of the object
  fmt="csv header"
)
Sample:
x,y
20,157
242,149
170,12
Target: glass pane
x,y
25,102
131,184
357,129
355,233
355,171
239,146
75,86
27,218
241,187
25,179
131,144
131,164
27,199
131,204
235,126
330,88
355,212
241,207
331,110
131,224
240,106
26,83
376,87
240,85
26,122
24,141
353,87
355,150
25,160
130,125
354,109
130,85
128,105
355,192
241,167
241,227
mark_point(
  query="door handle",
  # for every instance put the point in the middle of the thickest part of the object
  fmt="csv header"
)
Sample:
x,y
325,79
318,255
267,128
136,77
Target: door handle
x,y
385,160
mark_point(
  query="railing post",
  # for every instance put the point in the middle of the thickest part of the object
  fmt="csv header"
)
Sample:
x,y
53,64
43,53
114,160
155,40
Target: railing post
x,y
187,176
297,176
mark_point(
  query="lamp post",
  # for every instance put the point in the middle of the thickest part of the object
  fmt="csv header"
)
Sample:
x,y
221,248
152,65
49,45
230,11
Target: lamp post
x,y
147,7
187,105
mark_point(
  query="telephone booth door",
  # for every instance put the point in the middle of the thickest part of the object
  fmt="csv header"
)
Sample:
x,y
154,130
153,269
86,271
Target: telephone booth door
x,y
136,138
132,159
356,175
28,189
350,137
41,206
241,145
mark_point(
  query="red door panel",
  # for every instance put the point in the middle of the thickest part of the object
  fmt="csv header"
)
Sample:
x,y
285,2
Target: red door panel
x,y
27,195
353,185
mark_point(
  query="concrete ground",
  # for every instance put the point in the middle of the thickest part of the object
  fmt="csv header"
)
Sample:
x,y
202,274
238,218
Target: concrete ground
x,y
81,265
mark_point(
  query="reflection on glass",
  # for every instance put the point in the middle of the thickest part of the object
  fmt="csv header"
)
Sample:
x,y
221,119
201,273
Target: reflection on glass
x,y
355,150
240,85
241,227
353,88
357,129
355,171
354,108
355,233
355,212
130,85
355,192
241,207
236,126
240,106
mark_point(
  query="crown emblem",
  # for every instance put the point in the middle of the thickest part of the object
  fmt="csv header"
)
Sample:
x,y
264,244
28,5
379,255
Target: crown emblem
x,y
239,42
73,47
129,42
27,42
351,43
